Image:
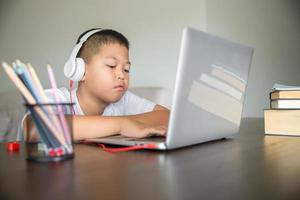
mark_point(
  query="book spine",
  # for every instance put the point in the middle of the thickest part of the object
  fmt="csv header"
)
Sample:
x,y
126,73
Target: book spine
x,y
270,94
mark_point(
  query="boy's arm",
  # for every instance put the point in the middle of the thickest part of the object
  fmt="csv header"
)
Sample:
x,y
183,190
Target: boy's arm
x,y
158,117
140,125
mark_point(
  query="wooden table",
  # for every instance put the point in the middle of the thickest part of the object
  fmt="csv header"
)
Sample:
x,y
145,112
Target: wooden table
x,y
249,166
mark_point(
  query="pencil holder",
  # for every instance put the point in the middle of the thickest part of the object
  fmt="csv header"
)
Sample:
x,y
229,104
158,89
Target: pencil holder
x,y
48,132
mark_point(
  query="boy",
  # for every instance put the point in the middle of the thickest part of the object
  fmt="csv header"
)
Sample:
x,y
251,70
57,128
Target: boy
x,y
103,106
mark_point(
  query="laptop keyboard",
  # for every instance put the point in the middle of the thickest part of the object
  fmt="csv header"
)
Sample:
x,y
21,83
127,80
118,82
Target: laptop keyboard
x,y
147,139
150,139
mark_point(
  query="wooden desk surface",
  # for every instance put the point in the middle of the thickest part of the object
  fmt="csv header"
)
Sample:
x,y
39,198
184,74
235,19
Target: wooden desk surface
x,y
250,166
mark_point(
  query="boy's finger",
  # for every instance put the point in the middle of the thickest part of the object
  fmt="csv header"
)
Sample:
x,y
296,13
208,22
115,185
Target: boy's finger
x,y
157,131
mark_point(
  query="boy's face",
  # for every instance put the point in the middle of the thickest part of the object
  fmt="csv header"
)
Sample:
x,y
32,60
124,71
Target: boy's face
x,y
107,73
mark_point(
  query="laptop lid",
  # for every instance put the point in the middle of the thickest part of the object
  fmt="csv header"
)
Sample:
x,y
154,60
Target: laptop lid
x,y
210,89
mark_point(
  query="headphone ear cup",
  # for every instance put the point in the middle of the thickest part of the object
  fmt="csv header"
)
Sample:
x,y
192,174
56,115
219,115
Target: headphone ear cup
x,y
69,69
80,69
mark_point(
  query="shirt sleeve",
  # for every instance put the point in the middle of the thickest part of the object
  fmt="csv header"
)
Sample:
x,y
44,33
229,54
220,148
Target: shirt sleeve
x,y
62,98
134,104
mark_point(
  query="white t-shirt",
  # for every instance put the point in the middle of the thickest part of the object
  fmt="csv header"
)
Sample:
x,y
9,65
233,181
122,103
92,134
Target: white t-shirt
x,y
129,104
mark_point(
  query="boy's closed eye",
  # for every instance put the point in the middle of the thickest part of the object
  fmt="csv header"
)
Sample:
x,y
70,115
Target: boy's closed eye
x,y
111,66
127,70
110,63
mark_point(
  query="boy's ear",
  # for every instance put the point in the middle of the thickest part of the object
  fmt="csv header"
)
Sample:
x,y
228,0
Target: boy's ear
x,y
83,78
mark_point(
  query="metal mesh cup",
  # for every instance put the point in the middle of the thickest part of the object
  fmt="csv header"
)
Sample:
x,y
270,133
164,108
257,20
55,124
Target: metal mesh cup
x,y
48,132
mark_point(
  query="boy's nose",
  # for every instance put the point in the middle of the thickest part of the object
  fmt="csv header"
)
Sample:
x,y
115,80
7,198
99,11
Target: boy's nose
x,y
120,76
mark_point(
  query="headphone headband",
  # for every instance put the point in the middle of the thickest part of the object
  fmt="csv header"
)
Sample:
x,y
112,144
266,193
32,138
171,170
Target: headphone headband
x,y
88,34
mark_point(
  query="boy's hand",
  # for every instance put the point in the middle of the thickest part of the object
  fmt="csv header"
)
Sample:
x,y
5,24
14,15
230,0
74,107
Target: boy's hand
x,y
132,128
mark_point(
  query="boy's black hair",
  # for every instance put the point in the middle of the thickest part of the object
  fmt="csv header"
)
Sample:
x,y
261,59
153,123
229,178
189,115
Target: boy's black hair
x,y
108,35
94,43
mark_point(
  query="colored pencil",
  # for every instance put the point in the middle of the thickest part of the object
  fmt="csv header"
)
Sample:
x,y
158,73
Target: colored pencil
x,y
60,110
30,99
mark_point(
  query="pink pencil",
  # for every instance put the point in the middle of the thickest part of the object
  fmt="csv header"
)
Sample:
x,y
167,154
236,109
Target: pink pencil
x,y
60,110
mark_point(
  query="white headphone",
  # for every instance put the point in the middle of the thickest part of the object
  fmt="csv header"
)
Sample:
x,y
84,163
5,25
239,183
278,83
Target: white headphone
x,y
75,67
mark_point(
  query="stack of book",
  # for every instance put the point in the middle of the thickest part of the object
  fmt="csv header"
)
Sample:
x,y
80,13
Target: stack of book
x,y
283,117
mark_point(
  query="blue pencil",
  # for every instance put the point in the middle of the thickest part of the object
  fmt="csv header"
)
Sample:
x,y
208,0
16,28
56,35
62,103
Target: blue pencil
x,y
52,141
26,80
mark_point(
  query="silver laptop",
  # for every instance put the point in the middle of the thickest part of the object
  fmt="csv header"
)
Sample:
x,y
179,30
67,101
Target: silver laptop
x,y
208,96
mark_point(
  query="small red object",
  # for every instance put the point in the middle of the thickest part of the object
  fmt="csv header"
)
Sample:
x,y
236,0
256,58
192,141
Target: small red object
x,y
13,146
51,153
59,152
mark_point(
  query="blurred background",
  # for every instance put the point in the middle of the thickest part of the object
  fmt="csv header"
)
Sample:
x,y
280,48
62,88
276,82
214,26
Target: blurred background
x,y
41,32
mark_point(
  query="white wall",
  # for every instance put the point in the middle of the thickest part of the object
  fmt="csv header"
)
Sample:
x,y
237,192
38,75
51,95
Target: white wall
x,y
45,31
272,28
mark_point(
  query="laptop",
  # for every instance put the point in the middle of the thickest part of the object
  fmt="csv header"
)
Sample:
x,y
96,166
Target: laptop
x,y
209,93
